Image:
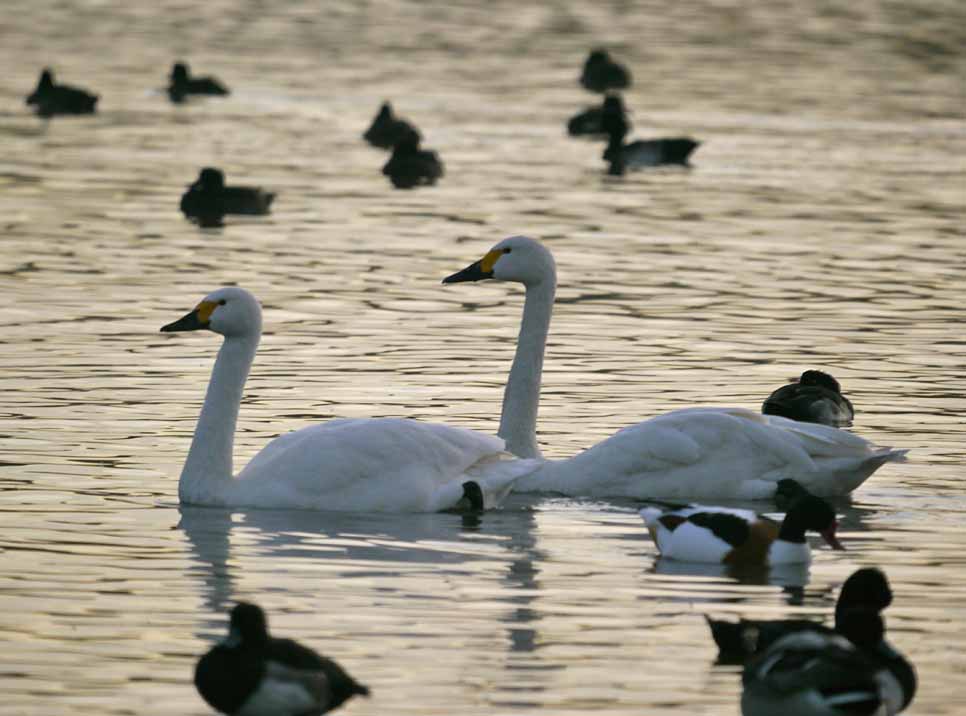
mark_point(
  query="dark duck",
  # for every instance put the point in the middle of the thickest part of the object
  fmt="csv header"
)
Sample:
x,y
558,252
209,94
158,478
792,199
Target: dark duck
x,y
50,99
183,84
409,166
643,152
588,123
601,73
867,588
208,200
251,673
851,672
387,130
815,398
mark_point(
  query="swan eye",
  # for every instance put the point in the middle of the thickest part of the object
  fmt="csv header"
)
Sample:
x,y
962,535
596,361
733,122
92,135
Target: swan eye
x,y
222,302
507,250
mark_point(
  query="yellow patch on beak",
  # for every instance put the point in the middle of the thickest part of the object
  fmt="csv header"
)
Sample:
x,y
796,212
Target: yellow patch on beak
x,y
488,261
205,309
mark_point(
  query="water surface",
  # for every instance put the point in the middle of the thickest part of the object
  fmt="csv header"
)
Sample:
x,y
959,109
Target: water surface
x,y
822,226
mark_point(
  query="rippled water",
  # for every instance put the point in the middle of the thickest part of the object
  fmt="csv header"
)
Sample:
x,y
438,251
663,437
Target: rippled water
x,y
823,225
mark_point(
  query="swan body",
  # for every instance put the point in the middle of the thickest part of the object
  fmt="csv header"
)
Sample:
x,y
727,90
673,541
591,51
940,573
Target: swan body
x,y
815,398
360,464
251,673
692,453
700,533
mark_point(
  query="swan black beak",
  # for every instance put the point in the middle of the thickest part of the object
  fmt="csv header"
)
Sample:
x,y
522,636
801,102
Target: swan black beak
x,y
189,322
473,272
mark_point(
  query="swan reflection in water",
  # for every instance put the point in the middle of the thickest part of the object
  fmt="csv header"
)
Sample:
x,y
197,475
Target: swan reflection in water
x,y
375,549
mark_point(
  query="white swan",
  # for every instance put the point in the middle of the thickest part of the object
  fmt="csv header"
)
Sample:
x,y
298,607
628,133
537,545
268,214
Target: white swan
x,y
372,465
694,453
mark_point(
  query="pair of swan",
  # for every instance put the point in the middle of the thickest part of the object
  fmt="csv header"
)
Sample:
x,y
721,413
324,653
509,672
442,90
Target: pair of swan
x,y
400,465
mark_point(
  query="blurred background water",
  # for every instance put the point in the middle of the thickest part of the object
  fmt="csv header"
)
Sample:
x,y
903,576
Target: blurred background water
x,y
822,226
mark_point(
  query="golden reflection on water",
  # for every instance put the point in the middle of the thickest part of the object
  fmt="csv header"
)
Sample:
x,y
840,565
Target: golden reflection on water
x,y
823,225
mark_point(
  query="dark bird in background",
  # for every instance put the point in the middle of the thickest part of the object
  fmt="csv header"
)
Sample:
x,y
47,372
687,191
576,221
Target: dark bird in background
x,y
587,123
601,73
50,99
388,130
815,398
183,84
255,674
409,166
643,152
207,200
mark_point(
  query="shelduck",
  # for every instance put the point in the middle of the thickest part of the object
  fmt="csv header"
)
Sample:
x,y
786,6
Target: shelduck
x,y
700,533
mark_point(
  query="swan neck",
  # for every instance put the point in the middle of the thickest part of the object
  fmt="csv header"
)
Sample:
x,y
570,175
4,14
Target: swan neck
x,y
207,471
521,398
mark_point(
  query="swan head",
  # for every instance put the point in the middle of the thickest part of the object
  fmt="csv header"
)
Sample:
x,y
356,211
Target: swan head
x,y
230,311
518,258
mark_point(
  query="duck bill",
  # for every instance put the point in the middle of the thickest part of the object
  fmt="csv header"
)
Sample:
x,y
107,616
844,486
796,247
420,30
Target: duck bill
x,y
473,272
833,541
189,322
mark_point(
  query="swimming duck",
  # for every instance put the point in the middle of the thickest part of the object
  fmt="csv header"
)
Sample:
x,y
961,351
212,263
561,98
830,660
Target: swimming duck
x,y
866,588
643,152
183,84
388,130
51,99
816,673
351,465
409,166
207,200
251,673
700,533
693,453
815,398
590,122
587,123
601,73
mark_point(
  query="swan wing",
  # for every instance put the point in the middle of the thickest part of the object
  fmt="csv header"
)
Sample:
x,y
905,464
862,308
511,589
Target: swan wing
x,y
377,464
